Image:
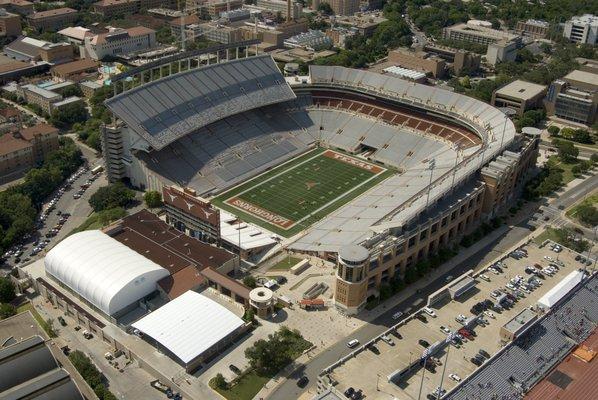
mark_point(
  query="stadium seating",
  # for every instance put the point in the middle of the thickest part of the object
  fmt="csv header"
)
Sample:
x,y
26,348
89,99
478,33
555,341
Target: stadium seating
x,y
165,110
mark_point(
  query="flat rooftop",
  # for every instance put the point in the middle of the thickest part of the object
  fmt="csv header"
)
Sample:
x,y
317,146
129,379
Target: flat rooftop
x,y
582,76
521,90
153,238
523,318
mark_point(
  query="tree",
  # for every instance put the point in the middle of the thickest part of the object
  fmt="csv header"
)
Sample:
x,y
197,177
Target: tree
x,y
88,371
594,158
66,116
73,90
269,356
553,130
7,290
325,8
249,281
111,196
152,198
566,150
218,382
587,214
7,310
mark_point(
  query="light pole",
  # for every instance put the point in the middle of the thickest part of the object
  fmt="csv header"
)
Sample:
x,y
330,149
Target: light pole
x,y
431,167
421,385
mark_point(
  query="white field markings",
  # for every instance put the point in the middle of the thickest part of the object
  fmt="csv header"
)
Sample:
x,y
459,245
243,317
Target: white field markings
x,y
374,176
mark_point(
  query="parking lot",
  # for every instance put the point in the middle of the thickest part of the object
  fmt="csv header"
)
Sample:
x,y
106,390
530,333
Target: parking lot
x,y
64,210
383,358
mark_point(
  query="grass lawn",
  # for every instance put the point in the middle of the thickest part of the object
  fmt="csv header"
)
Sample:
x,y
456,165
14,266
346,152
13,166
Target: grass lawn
x,y
293,196
568,175
590,201
100,220
245,388
285,264
549,233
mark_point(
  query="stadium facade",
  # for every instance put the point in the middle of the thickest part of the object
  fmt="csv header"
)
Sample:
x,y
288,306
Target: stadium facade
x,y
458,161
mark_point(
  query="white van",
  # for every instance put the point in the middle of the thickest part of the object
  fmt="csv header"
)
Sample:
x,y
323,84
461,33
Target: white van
x,y
352,343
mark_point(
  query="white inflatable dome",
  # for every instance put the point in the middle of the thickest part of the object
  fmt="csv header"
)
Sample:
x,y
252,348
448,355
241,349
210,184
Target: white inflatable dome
x,y
102,270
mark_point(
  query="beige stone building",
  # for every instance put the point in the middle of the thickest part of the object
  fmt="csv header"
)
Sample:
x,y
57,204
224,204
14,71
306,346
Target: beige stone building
x,y
53,19
418,61
10,24
519,96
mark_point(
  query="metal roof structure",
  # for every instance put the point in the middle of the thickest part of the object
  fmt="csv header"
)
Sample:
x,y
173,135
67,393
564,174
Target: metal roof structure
x,y
102,270
169,108
189,325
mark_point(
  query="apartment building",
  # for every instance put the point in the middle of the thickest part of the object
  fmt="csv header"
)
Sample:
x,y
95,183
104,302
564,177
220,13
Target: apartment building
x,y
519,96
532,28
52,20
582,29
418,61
48,98
473,32
21,7
22,150
111,8
213,8
363,268
118,42
10,24
574,97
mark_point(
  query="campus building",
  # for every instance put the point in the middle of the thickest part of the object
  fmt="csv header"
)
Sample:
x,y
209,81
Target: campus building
x,y
519,96
473,32
21,7
281,7
574,97
111,8
532,28
457,60
24,149
117,42
10,24
52,20
30,50
418,61
344,7
582,29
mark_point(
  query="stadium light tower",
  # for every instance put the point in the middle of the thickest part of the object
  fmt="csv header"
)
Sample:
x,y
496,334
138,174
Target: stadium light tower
x,y
431,167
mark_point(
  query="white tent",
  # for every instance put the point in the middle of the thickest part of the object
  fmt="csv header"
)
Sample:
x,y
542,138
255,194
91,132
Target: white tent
x,y
189,325
560,289
102,270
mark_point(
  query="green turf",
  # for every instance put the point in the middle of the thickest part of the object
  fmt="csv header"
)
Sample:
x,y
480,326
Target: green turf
x,y
304,190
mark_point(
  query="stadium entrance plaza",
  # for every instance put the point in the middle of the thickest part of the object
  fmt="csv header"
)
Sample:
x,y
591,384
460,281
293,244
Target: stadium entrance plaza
x,y
374,382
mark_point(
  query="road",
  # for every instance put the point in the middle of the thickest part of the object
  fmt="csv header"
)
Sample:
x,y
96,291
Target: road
x,y
584,152
420,38
289,389
78,208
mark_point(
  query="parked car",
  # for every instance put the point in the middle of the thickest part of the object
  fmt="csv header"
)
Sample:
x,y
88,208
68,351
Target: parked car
x,y
445,329
484,353
387,339
302,382
485,277
349,392
455,377
352,343
430,312
397,315
421,317
476,361
234,368
423,343
358,395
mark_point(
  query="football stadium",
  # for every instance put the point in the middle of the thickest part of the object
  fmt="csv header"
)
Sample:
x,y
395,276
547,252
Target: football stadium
x,y
340,157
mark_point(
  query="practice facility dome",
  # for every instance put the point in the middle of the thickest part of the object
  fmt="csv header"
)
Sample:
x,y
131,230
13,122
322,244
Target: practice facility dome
x,y
102,270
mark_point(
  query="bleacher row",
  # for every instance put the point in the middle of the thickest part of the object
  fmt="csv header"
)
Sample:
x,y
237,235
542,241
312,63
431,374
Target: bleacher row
x,y
423,123
172,107
527,360
231,150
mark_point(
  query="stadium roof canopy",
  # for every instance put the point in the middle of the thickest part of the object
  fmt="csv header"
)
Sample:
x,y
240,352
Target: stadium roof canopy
x,y
167,109
102,270
560,289
189,325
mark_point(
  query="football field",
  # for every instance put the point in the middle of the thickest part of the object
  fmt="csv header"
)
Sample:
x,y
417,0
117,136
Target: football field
x,y
289,198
